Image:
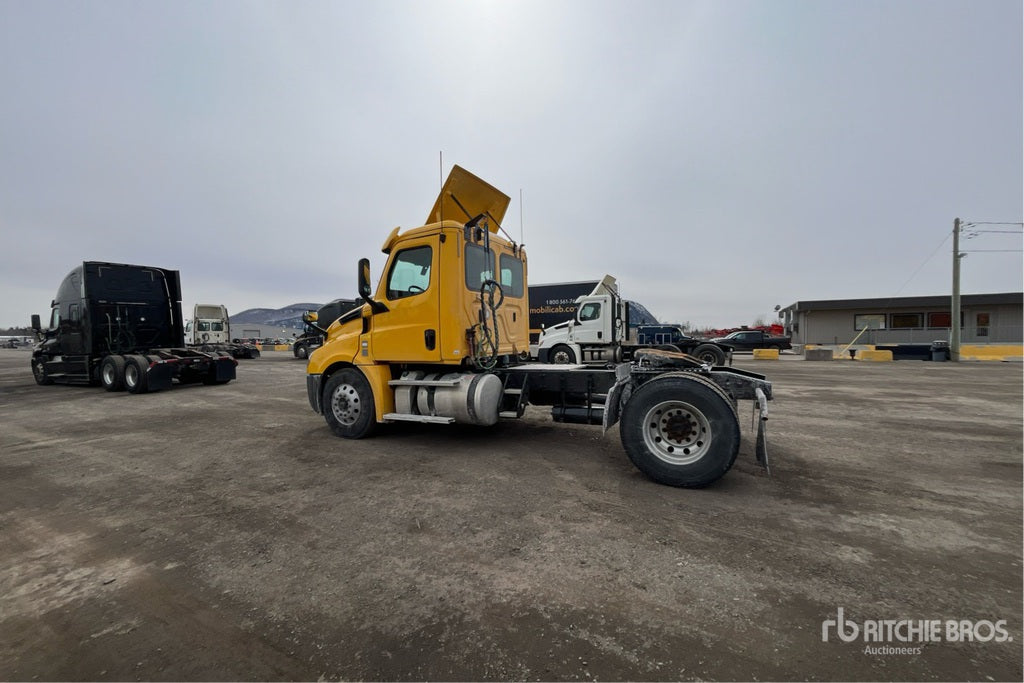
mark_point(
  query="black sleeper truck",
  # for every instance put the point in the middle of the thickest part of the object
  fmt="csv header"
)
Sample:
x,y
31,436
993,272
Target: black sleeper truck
x,y
121,326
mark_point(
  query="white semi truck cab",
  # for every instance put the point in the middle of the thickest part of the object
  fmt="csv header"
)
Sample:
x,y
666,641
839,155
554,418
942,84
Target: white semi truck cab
x,y
208,325
596,333
209,329
601,333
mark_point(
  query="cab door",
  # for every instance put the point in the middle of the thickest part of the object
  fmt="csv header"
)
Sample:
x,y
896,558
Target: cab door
x,y
593,321
408,331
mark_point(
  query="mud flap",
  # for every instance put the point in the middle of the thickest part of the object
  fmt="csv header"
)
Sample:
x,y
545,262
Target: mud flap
x,y
160,375
224,369
761,416
616,398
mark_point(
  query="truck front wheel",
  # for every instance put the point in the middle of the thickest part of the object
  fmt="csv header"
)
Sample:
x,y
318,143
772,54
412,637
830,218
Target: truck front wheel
x,y
301,351
112,373
39,372
348,404
562,355
709,353
680,431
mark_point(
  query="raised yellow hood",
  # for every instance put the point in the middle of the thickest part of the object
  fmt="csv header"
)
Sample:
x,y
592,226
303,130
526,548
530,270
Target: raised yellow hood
x,y
464,196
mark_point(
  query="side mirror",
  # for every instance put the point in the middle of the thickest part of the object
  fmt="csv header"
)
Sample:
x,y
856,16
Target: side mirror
x,y
364,278
364,287
36,325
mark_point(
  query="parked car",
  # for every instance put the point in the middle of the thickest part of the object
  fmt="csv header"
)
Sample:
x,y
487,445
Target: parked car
x,y
748,340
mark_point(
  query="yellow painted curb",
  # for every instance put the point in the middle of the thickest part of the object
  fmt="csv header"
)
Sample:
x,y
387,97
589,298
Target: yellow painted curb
x,y
997,352
874,355
766,354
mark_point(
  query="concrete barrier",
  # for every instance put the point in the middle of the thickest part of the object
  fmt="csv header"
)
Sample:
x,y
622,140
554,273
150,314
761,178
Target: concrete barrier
x,y
274,347
873,355
997,352
818,354
766,354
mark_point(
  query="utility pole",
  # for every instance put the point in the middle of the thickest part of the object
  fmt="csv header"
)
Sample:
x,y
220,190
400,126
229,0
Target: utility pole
x,y
954,323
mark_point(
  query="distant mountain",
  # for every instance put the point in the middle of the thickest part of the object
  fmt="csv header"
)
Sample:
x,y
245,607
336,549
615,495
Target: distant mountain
x,y
289,316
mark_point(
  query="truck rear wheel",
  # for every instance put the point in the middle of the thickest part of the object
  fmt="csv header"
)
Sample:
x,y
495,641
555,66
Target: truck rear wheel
x,y
348,404
709,353
562,355
136,374
112,373
680,431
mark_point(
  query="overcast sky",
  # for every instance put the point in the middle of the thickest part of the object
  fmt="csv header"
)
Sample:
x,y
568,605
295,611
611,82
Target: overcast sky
x,y
718,157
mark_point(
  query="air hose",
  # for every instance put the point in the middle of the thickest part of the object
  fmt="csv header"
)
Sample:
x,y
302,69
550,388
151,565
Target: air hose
x,y
485,352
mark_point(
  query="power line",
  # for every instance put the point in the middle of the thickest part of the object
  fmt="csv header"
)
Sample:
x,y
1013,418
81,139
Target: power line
x,y
923,263
1002,232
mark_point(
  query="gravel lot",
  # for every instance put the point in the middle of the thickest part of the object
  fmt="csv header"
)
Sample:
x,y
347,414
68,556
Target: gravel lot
x,y
212,533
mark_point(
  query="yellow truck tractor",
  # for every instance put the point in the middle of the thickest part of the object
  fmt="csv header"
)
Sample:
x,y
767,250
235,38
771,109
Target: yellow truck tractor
x,y
443,337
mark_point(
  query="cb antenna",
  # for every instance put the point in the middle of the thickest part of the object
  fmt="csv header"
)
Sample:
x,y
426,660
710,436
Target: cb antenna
x,y
522,238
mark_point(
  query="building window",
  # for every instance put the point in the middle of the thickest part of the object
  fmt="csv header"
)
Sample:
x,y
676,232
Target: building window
x,y
869,321
983,322
940,319
905,321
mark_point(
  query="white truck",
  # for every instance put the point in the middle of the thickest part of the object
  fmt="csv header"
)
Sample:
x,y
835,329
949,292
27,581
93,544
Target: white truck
x,y
209,329
600,333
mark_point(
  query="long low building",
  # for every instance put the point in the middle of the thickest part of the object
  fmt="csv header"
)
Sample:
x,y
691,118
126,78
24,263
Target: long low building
x,y
984,319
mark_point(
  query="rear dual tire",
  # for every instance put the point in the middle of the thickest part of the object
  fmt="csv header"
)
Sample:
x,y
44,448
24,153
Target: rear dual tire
x,y
709,353
112,373
680,431
136,374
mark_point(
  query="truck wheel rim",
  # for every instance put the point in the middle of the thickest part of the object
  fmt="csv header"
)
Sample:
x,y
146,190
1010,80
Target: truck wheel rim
x,y
345,404
677,433
561,357
131,376
108,373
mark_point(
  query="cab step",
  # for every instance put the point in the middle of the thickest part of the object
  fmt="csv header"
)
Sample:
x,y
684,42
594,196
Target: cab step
x,y
407,417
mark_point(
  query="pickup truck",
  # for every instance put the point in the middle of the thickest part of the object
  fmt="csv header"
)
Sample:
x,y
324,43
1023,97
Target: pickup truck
x,y
748,340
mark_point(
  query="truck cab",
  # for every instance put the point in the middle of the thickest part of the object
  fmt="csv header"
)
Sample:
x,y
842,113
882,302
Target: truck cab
x,y
452,301
440,338
598,329
208,325
601,332
120,325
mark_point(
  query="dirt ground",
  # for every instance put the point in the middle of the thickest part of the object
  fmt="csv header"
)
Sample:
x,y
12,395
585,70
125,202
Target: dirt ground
x,y
223,533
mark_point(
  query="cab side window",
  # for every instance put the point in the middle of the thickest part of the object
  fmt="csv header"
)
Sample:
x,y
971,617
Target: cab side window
x,y
591,311
410,272
511,275
479,266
